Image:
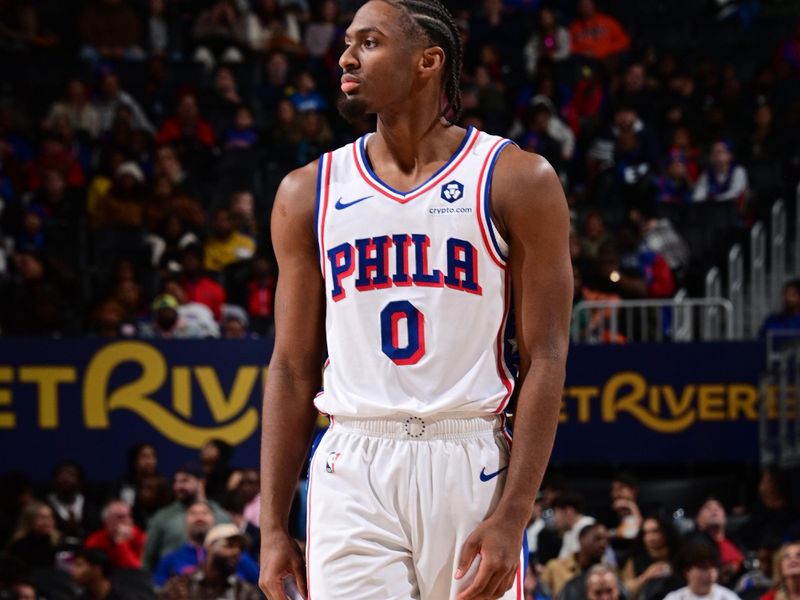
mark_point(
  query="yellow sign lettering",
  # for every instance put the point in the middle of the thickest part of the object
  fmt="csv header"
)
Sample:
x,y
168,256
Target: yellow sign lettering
x,y
222,408
7,420
711,403
182,391
742,402
135,397
615,400
47,379
584,396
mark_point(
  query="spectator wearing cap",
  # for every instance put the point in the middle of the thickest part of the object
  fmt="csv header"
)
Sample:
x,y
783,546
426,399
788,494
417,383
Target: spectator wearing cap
x,y
217,575
119,538
724,180
235,323
194,313
166,530
226,246
569,520
700,564
200,528
124,202
166,322
560,572
90,571
596,35
198,286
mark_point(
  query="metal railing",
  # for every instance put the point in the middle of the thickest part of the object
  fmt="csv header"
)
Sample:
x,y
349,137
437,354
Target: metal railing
x,y
736,289
678,319
779,417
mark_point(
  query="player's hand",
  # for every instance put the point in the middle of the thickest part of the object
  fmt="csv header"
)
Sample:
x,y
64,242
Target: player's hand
x,y
281,558
499,548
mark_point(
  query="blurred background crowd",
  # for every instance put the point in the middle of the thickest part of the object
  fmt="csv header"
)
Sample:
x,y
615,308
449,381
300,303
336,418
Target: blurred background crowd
x,y
141,143
196,535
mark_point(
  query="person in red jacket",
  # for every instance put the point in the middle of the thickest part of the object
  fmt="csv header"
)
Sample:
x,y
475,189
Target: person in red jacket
x,y
198,286
597,35
187,124
119,538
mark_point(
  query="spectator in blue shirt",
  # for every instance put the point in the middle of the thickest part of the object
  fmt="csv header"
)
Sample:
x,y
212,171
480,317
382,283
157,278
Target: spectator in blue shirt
x,y
789,317
188,558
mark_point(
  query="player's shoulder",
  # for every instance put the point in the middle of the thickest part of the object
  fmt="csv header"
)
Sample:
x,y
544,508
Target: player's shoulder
x,y
524,177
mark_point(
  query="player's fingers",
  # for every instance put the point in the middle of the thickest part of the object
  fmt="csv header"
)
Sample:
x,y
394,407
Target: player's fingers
x,y
487,571
468,553
299,573
273,589
506,583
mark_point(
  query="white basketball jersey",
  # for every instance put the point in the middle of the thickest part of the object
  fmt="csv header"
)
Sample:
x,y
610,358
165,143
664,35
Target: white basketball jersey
x,y
416,285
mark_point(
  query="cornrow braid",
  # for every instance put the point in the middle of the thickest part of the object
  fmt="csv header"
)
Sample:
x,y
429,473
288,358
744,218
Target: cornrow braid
x,y
441,28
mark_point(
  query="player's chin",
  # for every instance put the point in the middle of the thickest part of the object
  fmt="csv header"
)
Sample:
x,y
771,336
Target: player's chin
x,y
353,107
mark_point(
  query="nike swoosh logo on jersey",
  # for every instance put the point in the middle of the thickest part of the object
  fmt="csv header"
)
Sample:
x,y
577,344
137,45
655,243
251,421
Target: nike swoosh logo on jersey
x,y
489,476
342,205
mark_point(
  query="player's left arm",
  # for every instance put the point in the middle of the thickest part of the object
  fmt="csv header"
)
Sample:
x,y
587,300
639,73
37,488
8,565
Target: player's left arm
x,y
530,211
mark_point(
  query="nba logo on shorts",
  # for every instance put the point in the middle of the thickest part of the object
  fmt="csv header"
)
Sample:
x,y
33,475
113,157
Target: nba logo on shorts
x,y
330,464
452,191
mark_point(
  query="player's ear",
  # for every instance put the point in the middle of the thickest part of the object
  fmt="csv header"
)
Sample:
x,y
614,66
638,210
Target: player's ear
x,y
431,61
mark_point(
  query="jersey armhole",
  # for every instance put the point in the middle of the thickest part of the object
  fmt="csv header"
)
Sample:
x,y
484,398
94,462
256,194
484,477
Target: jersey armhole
x,y
321,205
495,243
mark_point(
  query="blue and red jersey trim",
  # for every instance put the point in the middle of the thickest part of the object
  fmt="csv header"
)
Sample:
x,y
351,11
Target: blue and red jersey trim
x,y
369,176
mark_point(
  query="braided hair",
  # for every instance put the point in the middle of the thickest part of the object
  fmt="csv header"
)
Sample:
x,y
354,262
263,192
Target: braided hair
x,y
432,19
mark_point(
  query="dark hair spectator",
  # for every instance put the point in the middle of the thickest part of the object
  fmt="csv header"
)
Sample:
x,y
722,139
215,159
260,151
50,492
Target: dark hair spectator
x,y
653,555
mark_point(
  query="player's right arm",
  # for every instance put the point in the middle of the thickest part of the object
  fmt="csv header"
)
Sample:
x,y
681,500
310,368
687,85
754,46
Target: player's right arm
x,y
294,377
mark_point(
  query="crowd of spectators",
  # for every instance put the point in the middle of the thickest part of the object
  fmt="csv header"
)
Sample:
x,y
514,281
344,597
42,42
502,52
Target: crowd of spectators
x,y
141,143
134,538
143,537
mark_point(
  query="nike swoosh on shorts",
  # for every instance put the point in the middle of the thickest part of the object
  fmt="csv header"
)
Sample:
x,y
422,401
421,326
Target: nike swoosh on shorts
x,y
488,476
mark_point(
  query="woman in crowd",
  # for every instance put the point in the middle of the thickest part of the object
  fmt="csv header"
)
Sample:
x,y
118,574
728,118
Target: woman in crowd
x,y
653,554
787,574
36,539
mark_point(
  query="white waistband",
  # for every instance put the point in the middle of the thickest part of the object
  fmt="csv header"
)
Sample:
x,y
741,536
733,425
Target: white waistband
x,y
410,427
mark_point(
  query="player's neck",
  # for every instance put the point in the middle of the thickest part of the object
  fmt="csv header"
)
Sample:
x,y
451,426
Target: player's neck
x,y
412,139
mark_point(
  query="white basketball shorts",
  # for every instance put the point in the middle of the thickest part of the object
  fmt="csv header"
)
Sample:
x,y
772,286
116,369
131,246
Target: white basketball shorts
x,y
391,502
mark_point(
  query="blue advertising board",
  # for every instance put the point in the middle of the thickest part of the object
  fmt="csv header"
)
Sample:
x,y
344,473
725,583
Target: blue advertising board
x,y
89,400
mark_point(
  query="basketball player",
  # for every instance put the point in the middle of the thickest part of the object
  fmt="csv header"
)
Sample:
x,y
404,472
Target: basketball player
x,y
401,253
